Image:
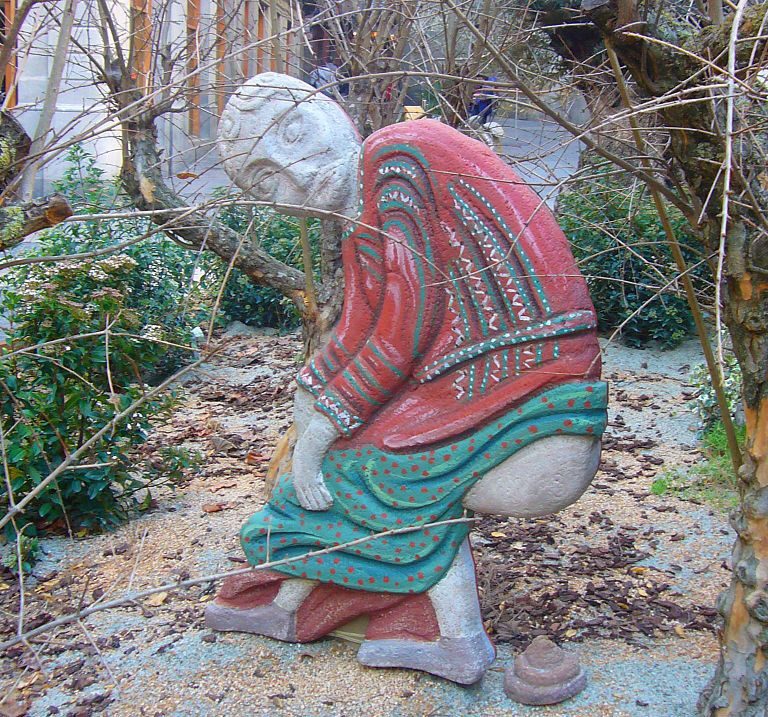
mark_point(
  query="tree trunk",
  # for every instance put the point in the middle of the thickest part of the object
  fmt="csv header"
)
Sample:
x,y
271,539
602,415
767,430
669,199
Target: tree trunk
x,y
740,684
143,180
14,148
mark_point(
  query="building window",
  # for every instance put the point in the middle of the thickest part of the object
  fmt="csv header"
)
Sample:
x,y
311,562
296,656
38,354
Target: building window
x,y
226,42
8,96
141,43
193,66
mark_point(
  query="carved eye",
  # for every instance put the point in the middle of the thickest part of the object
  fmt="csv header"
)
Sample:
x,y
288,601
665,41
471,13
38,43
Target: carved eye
x,y
265,183
261,180
292,129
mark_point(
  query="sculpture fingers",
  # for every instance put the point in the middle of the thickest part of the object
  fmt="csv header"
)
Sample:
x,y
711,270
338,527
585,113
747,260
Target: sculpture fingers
x,y
322,494
305,500
318,494
313,495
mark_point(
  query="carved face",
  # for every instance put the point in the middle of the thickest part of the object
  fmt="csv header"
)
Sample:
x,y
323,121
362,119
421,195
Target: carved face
x,y
284,143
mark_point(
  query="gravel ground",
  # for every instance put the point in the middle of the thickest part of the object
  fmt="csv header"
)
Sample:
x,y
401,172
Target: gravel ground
x,y
625,579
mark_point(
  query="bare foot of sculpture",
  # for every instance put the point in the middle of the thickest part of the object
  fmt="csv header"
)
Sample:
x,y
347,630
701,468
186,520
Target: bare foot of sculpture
x,y
263,603
462,652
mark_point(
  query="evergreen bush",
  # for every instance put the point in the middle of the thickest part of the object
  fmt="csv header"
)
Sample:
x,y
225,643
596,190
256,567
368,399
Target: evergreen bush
x,y
277,234
61,381
622,250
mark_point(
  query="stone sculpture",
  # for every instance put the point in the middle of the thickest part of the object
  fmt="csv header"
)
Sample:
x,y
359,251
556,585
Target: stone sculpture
x,y
463,375
544,674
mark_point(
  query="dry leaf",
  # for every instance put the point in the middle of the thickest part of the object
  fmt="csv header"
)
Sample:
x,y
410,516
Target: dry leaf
x,y
222,486
222,444
638,569
4,586
13,709
28,681
498,535
255,459
187,175
216,507
679,631
571,633
156,600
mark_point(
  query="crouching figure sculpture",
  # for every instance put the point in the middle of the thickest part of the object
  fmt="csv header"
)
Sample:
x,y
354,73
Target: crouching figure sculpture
x,y
462,376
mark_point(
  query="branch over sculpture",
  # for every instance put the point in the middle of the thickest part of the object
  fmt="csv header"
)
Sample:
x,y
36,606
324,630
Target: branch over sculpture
x,y
462,376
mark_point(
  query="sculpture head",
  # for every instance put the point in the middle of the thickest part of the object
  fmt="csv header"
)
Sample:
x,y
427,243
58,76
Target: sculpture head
x,y
284,142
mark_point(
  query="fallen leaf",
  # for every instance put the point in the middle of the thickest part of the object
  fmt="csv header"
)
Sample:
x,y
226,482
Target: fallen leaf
x,y
13,709
498,535
679,631
222,486
571,633
216,507
156,600
4,586
255,459
28,681
222,444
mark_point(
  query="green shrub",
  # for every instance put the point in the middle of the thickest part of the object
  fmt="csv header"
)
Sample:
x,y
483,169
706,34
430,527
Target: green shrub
x,y
170,288
59,381
277,234
28,549
57,396
621,249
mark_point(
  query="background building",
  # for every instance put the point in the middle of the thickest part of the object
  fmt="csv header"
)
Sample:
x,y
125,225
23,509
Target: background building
x,y
190,53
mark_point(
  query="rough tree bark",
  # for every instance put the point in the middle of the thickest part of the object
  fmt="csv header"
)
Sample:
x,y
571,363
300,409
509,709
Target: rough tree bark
x,y
697,149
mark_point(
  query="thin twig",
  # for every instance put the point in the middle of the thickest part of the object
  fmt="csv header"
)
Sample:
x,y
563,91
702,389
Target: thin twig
x,y
87,445
168,587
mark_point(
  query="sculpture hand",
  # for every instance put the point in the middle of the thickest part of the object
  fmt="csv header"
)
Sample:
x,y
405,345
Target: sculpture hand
x,y
308,455
312,493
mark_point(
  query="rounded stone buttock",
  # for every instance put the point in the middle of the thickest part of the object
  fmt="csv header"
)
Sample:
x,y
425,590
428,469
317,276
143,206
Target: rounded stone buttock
x,y
544,674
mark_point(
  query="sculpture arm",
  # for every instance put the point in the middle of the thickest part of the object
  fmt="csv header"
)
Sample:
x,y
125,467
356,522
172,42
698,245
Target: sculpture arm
x,y
350,332
323,366
308,455
397,339
303,410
